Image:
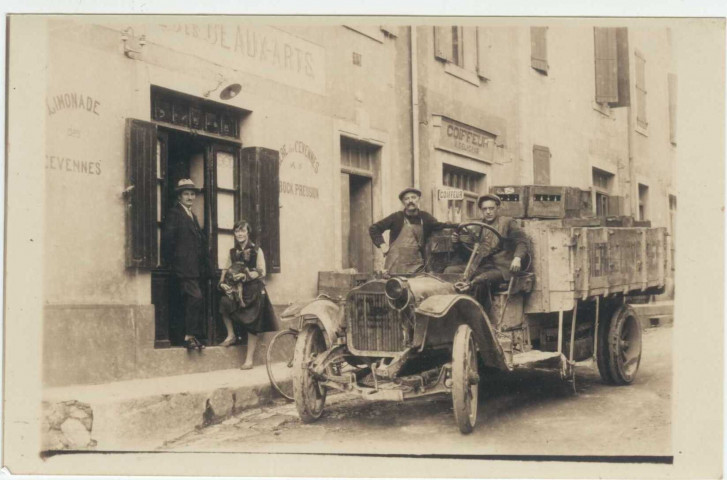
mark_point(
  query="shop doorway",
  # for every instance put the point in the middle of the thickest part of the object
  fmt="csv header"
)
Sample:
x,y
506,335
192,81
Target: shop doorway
x,y
208,163
357,213
359,162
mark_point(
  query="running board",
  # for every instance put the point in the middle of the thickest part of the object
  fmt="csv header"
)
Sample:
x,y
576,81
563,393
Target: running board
x,y
534,358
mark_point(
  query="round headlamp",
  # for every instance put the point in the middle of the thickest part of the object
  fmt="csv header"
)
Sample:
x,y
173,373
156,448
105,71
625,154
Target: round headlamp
x,y
395,288
397,293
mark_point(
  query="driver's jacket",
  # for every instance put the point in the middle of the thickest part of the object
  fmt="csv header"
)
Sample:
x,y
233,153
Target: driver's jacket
x,y
515,243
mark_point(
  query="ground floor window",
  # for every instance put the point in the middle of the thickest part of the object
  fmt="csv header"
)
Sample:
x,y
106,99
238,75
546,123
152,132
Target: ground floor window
x,y
602,186
471,183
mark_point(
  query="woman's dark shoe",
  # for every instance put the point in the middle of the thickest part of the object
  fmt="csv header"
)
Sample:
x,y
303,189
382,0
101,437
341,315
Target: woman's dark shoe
x,y
193,343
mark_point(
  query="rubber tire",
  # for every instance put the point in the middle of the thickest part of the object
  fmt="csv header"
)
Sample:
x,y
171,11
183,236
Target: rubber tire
x,y
464,394
310,342
602,355
278,342
624,317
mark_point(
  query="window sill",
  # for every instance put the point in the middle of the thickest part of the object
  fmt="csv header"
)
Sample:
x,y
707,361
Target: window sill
x,y
643,131
461,73
602,108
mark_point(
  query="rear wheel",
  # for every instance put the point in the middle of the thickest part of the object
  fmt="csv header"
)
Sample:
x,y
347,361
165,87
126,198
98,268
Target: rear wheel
x,y
602,354
310,396
465,379
624,345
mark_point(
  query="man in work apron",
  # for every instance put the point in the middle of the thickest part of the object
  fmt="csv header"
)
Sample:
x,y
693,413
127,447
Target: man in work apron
x,y
405,254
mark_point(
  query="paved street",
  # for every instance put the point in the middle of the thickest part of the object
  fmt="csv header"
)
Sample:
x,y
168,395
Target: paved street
x,y
524,413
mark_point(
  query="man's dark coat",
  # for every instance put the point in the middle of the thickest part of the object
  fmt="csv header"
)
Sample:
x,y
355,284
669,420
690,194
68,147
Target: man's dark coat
x,y
183,244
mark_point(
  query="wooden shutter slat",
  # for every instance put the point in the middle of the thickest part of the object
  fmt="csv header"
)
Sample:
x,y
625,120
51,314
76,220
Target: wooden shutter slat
x,y
443,43
623,68
606,64
539,48
141,194
541,165
258,178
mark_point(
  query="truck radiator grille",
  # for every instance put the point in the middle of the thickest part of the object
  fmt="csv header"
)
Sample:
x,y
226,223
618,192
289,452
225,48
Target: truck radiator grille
x,y
374,326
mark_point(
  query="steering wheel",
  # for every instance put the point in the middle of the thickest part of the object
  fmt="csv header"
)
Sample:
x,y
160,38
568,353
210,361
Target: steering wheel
x,y
473,232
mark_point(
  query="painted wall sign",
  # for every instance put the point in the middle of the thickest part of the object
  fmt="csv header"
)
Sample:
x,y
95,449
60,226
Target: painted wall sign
x,y
72,101
305,155
71,165
447,193
298,190
465,140
265,51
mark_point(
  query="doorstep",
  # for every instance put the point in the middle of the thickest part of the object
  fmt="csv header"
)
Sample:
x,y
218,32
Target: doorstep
x,y
143,414
655,314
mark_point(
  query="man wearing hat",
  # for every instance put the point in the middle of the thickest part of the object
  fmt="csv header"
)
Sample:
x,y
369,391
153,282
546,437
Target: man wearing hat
x,y
507,259
409,230
183,250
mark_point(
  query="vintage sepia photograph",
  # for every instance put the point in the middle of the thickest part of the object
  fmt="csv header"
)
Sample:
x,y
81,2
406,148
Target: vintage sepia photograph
x,y
389,238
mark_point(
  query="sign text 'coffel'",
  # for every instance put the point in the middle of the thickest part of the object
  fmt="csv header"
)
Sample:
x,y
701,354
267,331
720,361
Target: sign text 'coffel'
x,y
465,140
261,50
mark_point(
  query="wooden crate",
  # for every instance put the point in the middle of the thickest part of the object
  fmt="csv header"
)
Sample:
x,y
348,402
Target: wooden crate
x,y
558,202
514,200
337,284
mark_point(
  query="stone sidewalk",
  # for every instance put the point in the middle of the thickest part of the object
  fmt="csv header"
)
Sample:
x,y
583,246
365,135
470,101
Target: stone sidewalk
x,y
143,414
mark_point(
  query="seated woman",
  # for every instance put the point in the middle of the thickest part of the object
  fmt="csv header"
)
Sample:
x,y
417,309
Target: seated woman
x,y
245,300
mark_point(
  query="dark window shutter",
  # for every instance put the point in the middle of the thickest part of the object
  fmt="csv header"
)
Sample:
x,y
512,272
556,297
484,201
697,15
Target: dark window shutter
x,y
141,194
539,49
672,80
606,62
624,77
259,200
541,165
443,43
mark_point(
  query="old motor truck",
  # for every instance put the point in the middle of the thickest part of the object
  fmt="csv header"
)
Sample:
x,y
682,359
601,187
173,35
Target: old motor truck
x,y
401,337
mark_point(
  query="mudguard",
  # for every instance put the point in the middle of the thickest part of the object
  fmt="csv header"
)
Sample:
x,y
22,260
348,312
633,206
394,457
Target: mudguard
x,y
465,309
324,313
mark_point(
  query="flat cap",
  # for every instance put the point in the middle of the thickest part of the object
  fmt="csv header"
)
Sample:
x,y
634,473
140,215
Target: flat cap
x,y
409,190
488,196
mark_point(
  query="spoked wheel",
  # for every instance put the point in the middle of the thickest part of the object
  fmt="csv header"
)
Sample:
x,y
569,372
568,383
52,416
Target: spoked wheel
x,y
465,379
624,346
309,395
279,362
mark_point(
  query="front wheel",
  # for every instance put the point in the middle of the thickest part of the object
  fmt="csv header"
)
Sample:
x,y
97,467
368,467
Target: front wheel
x,y
465,379
279,362
309,395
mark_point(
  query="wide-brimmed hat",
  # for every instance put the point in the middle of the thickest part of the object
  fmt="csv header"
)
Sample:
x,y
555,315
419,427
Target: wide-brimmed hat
x,y
185,184
409,190
488,196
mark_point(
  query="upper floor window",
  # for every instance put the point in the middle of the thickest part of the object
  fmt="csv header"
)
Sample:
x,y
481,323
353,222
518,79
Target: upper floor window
x,y
539,49
611,61
457,47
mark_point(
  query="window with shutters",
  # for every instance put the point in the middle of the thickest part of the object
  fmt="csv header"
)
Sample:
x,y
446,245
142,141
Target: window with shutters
x,y
541,165
672,80
235,184
611,62
471,183
640,66
457,47
539,49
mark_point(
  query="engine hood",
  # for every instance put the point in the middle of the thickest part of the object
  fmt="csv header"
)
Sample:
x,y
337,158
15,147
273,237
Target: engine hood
x,y
421,286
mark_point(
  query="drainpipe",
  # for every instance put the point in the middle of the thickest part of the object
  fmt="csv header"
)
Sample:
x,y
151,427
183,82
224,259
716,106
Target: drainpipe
x,y
414,108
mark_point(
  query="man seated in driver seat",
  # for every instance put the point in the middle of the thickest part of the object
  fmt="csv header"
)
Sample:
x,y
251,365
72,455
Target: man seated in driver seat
x,y
507,257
